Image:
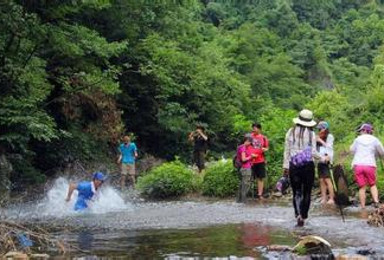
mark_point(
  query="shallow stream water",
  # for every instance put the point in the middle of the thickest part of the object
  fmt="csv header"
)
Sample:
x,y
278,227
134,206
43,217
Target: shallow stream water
x,y
120,225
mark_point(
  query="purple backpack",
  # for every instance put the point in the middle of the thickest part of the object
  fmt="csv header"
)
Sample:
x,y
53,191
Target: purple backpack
x,y
305,156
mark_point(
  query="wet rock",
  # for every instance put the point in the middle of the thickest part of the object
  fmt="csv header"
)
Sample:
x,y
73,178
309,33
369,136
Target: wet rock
x,y
315,246
376,218
366,251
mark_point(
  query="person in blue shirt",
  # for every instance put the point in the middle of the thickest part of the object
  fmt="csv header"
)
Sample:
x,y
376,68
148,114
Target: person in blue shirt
x,y
127,157
86,190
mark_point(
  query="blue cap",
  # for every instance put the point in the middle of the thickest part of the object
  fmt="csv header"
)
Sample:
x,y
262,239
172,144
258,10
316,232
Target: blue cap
x,y
322,125
98,176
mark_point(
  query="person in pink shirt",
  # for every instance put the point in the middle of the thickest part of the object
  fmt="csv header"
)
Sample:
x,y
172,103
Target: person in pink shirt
x,y
244,152
365,148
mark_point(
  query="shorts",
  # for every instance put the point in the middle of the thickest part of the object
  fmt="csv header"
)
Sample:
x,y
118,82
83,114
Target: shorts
x,y
258,170
127,168
323,170
365,175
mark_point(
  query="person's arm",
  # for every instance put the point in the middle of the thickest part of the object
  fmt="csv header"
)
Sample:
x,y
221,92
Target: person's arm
x,y
205,137
135,151
316,155
120,156
329,148
265,144
244,157
190,137
286,152
380,149
71,189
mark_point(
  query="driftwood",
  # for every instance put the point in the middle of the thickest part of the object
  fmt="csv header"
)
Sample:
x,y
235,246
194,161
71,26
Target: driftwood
x,y
18,239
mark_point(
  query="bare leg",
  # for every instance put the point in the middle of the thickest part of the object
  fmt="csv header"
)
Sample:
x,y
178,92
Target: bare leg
x,y
329,186
133,181
122,181
260,187
362,197
323,190
375,194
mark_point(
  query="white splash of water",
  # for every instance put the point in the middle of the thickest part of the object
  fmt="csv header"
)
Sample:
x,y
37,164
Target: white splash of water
x,y
54,204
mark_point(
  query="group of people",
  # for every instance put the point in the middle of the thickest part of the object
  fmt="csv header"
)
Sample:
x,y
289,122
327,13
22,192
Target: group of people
x,y
251,154
303,147
303,150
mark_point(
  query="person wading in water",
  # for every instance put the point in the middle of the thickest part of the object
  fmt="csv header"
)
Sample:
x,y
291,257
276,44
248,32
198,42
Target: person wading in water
x,y
299,154
324,145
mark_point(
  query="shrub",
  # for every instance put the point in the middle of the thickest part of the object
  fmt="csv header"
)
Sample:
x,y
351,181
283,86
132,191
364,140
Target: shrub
x,y
220,180
170,179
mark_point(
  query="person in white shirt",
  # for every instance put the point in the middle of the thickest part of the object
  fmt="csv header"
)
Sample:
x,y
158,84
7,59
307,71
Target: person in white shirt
x,y
365,149
324,145
299,155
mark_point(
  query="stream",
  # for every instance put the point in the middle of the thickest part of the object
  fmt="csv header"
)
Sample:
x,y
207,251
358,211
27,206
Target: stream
x,y
123,226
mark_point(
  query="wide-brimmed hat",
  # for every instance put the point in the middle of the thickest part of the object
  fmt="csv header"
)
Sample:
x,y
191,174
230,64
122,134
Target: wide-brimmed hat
x,y
366,127
305,118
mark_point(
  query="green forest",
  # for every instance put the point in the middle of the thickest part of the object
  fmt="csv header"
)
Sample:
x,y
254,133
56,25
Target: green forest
x,y
77,75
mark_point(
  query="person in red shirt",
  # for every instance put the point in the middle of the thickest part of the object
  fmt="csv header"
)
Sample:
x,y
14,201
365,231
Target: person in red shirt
x,y
260,145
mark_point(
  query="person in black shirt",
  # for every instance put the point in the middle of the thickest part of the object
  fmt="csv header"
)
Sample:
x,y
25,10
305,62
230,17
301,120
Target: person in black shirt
x,y
200,142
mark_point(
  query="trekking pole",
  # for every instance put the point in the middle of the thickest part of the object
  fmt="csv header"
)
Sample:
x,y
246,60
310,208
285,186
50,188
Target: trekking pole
x,y
336,191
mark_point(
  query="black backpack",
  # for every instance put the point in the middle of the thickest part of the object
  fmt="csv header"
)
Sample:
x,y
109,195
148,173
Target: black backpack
x,y
236,161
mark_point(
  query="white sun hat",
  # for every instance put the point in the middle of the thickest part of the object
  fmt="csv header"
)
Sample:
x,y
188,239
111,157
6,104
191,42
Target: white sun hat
x,y
305,118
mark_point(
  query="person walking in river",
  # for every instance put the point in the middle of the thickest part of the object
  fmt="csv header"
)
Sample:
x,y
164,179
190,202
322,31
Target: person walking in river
x,y
261,145
127,157
86,191
245,154
365,148
324,145
200,145
299,154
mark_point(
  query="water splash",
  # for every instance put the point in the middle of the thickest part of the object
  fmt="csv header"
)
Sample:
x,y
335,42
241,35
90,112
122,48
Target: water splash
x,y
54,205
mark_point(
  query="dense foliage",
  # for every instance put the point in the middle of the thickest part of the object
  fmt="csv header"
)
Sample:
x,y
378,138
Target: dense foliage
x,y
168,180
76,75
220,180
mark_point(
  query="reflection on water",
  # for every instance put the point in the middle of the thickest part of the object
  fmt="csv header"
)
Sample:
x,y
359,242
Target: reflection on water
x,y
220,241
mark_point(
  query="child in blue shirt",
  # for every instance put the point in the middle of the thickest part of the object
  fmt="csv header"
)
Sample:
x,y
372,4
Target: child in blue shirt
x,y
127,157
86,190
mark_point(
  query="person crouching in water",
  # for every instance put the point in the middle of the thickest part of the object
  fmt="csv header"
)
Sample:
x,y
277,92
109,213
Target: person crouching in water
x,y
324,145
244,152
86,190
299,154
365,148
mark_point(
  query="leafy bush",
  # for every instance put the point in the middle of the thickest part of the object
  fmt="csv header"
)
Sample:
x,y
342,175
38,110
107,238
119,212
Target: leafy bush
x,y
220,180
24,173
170,179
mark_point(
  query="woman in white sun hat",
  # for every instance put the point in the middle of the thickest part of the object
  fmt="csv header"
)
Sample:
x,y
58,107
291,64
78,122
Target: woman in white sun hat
x,y
299,154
